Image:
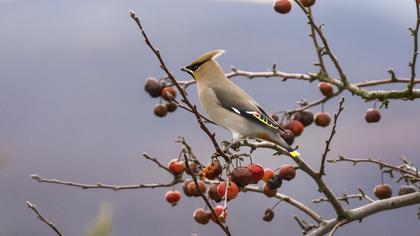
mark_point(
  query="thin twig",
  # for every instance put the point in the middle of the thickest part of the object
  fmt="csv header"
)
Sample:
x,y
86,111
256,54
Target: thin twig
x,y
43,219
308,211
346,198
104,186
304,225
334,229
318,49
145,155
415,175
207,120
328,142
414,32
327,48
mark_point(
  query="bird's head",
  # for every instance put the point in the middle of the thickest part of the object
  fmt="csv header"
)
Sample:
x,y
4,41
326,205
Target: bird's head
x,y
198,68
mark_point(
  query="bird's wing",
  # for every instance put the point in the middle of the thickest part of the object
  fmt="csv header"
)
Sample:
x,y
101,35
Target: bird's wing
x,y
237,101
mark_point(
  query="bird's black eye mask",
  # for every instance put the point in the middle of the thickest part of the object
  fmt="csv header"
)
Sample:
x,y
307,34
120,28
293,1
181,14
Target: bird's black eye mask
x,y
192,68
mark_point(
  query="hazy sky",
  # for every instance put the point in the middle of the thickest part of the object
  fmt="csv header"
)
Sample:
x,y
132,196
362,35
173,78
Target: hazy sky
x,y
72,107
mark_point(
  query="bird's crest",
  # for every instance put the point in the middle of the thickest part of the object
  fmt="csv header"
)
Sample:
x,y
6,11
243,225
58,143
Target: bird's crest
x,y
208,56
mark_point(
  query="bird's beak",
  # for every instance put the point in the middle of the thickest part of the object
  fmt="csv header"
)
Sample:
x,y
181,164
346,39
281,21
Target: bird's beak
x,y
188,71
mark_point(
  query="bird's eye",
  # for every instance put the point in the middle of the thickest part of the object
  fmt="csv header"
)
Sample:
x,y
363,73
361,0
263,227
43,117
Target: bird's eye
x,y
195,67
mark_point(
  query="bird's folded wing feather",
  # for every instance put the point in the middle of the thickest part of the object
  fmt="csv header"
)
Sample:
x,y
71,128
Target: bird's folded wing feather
x,y
236,100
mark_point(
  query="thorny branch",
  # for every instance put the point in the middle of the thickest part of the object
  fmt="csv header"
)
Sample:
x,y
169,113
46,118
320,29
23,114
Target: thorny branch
x,y
319,50
347,197
104,186
328,142
326,49
414,32
404,169
43,219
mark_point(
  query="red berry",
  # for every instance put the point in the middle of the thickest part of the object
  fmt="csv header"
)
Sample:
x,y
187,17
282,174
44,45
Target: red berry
x,y
171,106
326,89
232,190
201,216
288,137
173,197
193,190
193,167
282,6
307,3
167,93
153,87
242,176
382,191
372,115
269,192
213,193
322,119
257,172
406,190
268,174
287,172
185,188
221,213
160,110
295,126
306,117
176,166
212,170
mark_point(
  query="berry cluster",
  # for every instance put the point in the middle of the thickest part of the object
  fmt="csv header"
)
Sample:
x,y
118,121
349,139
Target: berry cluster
x,y
383,191
299,120
157,89
216,188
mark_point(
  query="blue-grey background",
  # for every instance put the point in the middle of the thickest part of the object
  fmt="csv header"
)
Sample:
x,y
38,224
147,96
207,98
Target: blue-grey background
x,y
72,107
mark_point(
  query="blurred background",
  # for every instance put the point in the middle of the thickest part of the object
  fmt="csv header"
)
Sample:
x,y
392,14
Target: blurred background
x,y
72,107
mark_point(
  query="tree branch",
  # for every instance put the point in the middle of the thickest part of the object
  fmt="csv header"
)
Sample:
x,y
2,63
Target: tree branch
x,y
328,142
318,49
347,197
414,32
104,186
308,211
326,48
369,209
403,169
43,219
304,167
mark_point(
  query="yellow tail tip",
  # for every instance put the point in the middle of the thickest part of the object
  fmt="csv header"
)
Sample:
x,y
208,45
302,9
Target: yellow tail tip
x,y
294,153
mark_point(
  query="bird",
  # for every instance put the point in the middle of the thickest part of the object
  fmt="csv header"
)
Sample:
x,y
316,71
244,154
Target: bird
x,y
229,106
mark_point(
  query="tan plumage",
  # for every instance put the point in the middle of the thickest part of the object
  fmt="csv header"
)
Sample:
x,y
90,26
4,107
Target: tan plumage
x,y
229,106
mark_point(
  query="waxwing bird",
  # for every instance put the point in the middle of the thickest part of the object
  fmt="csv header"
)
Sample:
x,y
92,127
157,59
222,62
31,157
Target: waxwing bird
x,y
229,106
